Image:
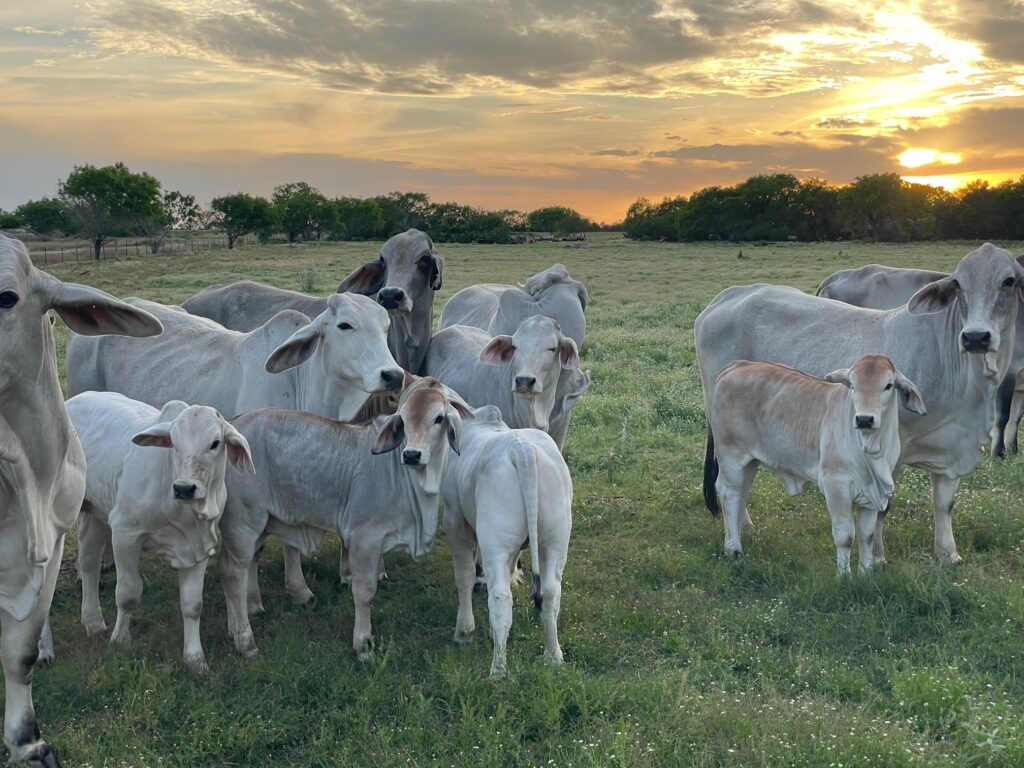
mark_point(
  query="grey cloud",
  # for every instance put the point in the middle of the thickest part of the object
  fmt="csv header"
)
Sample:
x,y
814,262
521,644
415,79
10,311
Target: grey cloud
x,y
844,123
615,153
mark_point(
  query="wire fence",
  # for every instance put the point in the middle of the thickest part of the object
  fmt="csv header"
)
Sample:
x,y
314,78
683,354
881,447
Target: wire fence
x,y
57,252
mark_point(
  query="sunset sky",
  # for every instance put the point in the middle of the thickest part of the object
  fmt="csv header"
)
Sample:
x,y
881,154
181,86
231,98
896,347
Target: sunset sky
x,y
588,103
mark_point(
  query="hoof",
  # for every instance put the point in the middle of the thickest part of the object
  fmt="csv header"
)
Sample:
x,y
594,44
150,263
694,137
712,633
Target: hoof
x,y
45,659
306,597
498,672
464,637
95,627
42,757
735,555
245,644
949,558
197,664
364,651
122,640
255,609
554,659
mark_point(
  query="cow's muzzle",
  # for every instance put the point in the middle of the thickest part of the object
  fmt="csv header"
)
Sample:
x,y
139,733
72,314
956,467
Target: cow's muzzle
x,y
394,300
525,385
412,457
864,421
976,341
185,491
392,379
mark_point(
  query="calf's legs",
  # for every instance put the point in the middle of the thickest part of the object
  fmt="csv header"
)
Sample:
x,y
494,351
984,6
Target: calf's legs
x,y
365,559
733,488
190,594
129,584
462,543
497,567
943,492
93,539
552,565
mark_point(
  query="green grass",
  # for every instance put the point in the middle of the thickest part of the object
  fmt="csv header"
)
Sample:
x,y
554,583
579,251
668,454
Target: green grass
x,y
674,656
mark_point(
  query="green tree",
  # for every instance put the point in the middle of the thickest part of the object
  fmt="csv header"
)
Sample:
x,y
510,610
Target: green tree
x,y
299,207
241,214
362,218
43,216
101,202
558,219
403,210
183,210
10,220
873,206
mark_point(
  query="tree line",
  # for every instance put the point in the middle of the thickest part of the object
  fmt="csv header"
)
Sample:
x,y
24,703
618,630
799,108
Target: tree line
x,y
877,207
112,201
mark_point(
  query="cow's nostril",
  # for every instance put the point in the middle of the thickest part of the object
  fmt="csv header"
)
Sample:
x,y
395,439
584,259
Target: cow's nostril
x,y
410,456
976,340
392,378
184,490
864,422
526,382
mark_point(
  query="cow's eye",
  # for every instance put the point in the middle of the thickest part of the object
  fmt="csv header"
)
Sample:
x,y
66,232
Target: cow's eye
x,y
8,299
1007,283
439,419
552,349
888,386
215,446
345,326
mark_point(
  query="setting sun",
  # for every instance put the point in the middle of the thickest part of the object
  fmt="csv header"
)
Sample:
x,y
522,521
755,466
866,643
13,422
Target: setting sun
x,y
915,158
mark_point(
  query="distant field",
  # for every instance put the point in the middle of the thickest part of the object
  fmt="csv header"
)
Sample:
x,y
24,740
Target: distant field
x,y
675,656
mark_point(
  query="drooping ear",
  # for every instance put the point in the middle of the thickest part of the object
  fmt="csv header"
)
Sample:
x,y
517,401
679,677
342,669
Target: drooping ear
x,y
157,436
390,436
569,353
934,297
498,351
436,275
367,279
296,349
454,427
91,312
842,376
464,409
910,397
238,450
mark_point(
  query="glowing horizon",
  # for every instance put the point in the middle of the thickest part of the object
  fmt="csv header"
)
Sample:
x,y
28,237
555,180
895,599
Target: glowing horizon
x,y
587,105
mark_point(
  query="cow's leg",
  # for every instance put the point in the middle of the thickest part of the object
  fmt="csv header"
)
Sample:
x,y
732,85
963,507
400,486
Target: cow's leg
x,y
19,646
498,567
462,543
866,520
365,558
943,492
344,566
253,596
1013,424
294,580
837,497
93,539
127,549
877,545
233,565
190,593
733,488
46,654
552,565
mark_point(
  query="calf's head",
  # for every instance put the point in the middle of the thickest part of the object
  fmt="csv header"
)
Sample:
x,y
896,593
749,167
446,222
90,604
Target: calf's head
x,y
201,443
407,272
428,422
537,352
876,389
986,287
353,335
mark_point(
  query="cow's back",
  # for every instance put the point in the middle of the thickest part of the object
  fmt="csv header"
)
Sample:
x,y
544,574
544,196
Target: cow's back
x,y
246,305
876,286
474,306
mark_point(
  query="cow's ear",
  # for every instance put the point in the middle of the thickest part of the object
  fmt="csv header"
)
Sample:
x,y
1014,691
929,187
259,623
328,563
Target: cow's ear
x,y
453,424
498,351
569,353
367,279
238,450
390,436
436,270
296,349
934,297
910,396
842,376
1018,270
157,436
90,312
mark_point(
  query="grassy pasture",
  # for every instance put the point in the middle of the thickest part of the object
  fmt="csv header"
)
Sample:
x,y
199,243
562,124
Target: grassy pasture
x,y
674,655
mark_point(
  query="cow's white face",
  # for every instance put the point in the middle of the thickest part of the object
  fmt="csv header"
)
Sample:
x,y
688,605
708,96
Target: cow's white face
x,y
986,287
877,389
352,334
201,443
427,424
537,353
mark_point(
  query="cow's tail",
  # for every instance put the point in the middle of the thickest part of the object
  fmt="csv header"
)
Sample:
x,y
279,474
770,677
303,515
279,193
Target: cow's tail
x,y
711,476
1004,402
524,457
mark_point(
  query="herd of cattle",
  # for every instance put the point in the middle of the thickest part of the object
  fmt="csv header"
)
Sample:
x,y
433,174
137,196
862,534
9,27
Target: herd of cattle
x,y
293,416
